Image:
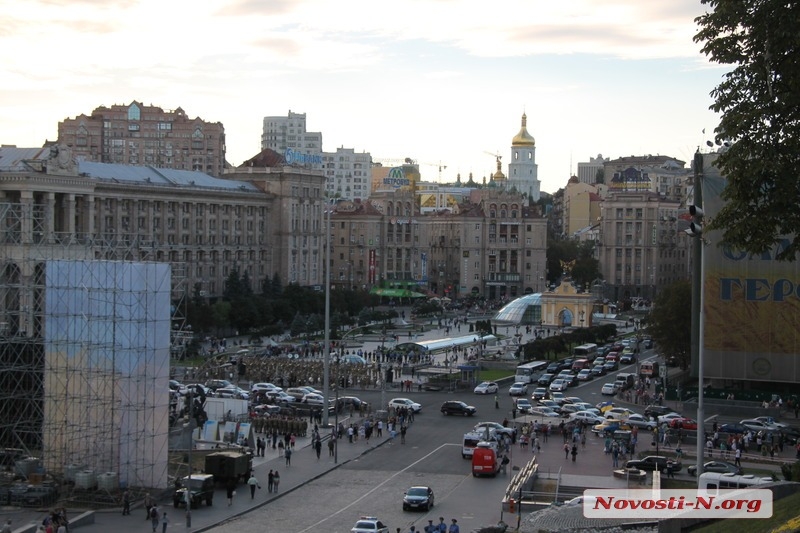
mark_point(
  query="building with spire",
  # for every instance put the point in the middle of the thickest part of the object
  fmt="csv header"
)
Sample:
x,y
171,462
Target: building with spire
x,y
522,168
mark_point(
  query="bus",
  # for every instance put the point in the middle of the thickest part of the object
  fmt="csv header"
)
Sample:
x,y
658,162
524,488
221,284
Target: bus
x,y
713,482
529,372
585,351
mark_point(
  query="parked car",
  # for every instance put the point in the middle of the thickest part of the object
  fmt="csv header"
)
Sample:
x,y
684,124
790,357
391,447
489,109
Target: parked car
x,y
757,425
641,422
494,426
587,417
722,467
518,389
263,387
215,384
487,387
418,498
232,392
619,413
683,423
733,428
610,426
455,407
33,495
539,393
653,462
399,403
669,417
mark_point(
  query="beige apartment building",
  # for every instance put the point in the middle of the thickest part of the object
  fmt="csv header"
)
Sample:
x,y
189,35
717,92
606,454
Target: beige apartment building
x,y
138,134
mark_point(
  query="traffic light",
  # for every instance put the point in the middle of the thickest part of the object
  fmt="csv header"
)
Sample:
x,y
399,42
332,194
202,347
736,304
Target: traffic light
x,y
695,228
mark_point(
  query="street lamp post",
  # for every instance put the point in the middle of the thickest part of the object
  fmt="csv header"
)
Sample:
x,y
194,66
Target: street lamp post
x,y
191,445
327,353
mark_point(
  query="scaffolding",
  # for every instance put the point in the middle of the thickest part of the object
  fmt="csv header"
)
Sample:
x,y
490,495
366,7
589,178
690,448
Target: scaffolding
x,y
87,329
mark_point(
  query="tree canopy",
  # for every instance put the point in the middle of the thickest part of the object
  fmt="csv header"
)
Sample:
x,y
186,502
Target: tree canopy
x,y
760,118
669,322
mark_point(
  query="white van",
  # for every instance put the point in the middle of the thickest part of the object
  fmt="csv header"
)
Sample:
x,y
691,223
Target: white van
x,y
472,439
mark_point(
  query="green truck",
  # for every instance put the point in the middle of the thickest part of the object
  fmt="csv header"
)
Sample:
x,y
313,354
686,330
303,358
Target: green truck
x,y
229,464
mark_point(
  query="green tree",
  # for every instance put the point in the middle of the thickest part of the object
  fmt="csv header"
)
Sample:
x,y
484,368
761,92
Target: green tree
x,y
759,104
670,321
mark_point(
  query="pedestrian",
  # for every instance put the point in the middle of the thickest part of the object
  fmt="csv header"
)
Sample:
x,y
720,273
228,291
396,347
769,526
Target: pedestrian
x,y
318,448
230,490
270,481
331,444
6,527
442,527
148,504
566,450
288,454
153,517
403,435
276,481
126,503
430,528
454,527
496,402
253,483
164,522
574,452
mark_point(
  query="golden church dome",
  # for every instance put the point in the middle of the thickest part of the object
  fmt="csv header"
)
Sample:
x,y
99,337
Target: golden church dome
x,y
523,138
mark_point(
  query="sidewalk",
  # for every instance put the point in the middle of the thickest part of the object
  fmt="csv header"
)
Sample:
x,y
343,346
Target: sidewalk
x,y
305,467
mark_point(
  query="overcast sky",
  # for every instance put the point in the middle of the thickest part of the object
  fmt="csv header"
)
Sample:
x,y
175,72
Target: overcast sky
x,y
442,81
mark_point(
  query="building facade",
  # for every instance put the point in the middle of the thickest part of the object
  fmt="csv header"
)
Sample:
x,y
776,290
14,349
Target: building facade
x,y
523,172
348,174
587,172
281,133
137,134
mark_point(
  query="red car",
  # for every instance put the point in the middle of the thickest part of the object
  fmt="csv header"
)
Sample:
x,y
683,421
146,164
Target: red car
x,y
683,423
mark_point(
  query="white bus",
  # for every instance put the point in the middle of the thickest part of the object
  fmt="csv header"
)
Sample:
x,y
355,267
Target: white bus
x,y
585,351
530,372
713,482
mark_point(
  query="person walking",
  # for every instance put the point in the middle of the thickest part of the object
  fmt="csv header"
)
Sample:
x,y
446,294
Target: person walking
x,y
230,490
574,452
276,480
403,435
164,522
566,450
318,448
270,480
148,504
496,402
126,503
253,483
154,517
288,454
331,444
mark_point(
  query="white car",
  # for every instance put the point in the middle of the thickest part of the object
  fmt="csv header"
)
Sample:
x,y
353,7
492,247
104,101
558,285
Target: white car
x,y
618,413
494,426
280,397
265,387
232,392
758,425
399,403
313,398
369,524
518,389
640,421
609,389
587,417
487,387
558,385
667,418
768,420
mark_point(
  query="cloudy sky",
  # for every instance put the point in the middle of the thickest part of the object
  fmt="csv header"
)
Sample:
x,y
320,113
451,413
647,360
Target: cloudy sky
x,y
442,81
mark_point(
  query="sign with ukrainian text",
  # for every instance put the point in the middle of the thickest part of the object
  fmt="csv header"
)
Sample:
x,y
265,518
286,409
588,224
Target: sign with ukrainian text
x,y
396,178
293,157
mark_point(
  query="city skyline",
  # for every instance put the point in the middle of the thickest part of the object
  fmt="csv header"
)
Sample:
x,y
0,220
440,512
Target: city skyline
x,y
442,82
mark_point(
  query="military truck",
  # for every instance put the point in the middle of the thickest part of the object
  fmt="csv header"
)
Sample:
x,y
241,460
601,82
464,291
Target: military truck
x,y
229,464
197,488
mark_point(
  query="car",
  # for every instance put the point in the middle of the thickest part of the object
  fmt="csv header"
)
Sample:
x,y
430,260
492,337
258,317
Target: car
x,y
627,358
550,404
610,366
518,389
494,426
567,409
543,412
552,368
418,498
757,425
733,428
641,422
585,375
570,378
539,393
558,397
455,407
565,364
558,385
599,361
604,406
610,426
609,389
654,462
399,403
487,387
587,417
672,361
348,402
200,488
722,467
619,413
215,384
297,392
25,495
598,370
280,397
648,344
771,421
176,386
572,399
232,392
683,423
312,398
523,405
586,406
654,411
545,379
578,501
263,387
198,389
369,524
667,418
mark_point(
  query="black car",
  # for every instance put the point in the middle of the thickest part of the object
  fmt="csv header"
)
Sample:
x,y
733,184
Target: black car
x,y
200,488
627,359
570,378
734,428
654,411
552,368
545,379
598,370
566,364
455,407
418,498
722,467
653,462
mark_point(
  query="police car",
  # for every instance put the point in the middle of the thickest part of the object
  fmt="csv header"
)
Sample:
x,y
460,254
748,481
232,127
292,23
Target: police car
x,y
369,524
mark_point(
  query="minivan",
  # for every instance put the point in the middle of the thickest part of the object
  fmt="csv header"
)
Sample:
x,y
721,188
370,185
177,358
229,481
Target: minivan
x,y
580,364
484,460
626,381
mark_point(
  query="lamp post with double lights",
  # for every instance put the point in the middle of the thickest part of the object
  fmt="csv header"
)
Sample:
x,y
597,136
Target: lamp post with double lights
x,y
326,382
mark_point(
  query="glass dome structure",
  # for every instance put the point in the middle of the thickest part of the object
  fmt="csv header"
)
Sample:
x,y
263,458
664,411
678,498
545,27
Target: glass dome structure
x,y
524,311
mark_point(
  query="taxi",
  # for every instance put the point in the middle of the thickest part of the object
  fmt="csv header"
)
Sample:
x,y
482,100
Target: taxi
x,y
369,524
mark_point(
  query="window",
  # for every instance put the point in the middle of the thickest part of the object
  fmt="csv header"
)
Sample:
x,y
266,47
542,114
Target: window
x,y
134,113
